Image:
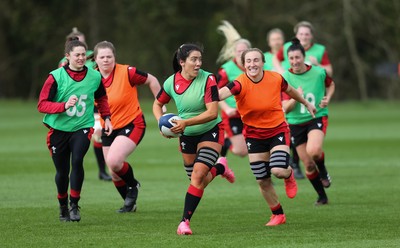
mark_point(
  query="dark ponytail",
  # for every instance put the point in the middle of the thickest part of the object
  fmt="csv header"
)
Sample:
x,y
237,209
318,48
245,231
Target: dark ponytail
x,y
183,53
175,63
296,46
73,42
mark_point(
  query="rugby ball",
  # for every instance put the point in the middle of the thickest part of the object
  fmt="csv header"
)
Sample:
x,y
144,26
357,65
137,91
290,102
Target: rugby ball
x,y
165,124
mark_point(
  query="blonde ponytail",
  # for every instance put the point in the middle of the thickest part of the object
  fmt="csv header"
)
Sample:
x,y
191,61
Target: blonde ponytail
x,y
232,39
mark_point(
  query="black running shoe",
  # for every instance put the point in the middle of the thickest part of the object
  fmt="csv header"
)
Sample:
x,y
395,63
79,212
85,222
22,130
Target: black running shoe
x,y
130,200
297,172
74,212
322,200
104,176
127,209
326,180
64,214
296,169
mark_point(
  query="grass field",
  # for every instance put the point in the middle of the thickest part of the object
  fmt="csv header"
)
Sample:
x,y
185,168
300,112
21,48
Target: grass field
x,y
362,153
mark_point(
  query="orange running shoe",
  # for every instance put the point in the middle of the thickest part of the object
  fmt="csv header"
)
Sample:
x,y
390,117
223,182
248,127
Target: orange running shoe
x,y
184,228
291,186
228,174
276,219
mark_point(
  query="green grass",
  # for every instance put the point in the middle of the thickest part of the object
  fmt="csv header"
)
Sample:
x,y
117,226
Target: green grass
x,y
362,151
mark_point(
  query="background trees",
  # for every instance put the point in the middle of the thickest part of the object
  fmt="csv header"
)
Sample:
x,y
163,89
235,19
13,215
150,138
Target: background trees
x,y
362,37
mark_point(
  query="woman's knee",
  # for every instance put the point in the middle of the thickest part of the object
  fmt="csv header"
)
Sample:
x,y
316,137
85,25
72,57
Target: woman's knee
x,y
281,172
239,151
77,162
198,178
114,162
314,152
279,164
309,166
199,174
62,175
265,184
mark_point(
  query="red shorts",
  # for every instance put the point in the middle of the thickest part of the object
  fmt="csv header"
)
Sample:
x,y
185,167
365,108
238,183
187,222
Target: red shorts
x,y
265,133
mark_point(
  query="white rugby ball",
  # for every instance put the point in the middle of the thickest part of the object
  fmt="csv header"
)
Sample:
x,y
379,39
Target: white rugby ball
x,y
165,124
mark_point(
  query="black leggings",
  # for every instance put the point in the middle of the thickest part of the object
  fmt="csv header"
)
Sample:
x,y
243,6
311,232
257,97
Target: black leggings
x,y
68,150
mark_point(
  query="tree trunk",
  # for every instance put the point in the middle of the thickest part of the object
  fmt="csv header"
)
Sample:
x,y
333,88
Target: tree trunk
x,y
355,58
94,25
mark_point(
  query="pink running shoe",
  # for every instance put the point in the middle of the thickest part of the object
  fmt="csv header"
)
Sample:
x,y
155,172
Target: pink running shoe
x,y
184,228
228,174
277,219
291,186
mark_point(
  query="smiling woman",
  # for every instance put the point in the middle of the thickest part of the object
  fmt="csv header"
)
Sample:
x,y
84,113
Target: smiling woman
x,y
67,98
308,133
253,63
258,99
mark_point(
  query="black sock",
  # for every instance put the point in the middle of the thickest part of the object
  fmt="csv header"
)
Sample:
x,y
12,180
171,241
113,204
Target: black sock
x,y
321,166
74,200
121,188
295,158
225,147
126,174
317,184
192,200
98,152
220,169
63,201
277,209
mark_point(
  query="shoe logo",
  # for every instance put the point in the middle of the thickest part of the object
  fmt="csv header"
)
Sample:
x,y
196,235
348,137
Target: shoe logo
x,y
319,125
214,135
280,138
183,144
54,149
127,131
248,145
